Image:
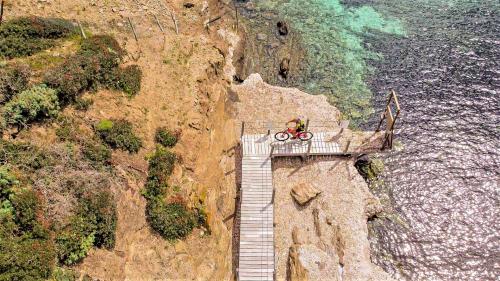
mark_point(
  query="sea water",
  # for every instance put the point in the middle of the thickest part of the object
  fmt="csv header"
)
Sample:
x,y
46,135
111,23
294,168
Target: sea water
x,y
443,181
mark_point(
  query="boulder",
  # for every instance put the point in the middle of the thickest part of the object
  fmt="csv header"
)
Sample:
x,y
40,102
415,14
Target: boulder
x,y
284,68
303,193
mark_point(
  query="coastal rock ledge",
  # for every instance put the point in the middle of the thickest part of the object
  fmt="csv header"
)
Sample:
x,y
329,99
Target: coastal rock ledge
x,y
325,239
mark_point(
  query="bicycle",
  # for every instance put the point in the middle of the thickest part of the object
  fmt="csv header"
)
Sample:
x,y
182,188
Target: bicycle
x,y
285,135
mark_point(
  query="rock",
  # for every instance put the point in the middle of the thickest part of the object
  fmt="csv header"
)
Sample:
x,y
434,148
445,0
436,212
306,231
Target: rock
x,y
297,236
284,68
303,193
373,207
317,226
295,267
188,5
282,28
261,37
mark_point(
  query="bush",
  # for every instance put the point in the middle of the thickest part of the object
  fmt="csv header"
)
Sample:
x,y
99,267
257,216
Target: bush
x,y
166,137
26,36
94,224
7,181
32,105
103,55
74,242
83,104
97,153
172,221
13,80
26,209
24,258
24,155
100,210
161,165
128,80
118,134
26,253
68,129
69,79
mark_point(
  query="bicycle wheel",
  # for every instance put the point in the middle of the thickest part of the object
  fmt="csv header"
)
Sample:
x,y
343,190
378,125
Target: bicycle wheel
x,y
282,136
305,136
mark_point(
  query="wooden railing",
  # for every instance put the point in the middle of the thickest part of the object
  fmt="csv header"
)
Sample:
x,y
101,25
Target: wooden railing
x,y
390,119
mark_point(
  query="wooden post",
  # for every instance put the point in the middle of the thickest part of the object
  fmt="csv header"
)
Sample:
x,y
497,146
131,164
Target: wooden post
x,y
133,28
237,20
158,22
272,198
307,125
347,146
82,32
172,15
309,145
1,12
272,151
242,129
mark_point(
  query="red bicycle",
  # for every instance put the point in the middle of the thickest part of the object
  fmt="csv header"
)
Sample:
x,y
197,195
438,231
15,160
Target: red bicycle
x,y
286,134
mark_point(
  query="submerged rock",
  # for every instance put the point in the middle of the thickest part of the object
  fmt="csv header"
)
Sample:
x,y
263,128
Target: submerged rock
x,y
282,28
303,193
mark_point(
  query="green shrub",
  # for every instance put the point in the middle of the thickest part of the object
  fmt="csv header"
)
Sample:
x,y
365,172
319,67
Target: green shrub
x,y
166,137
24,155
100,210
24,258
97,153
161,165
68,129
7,181
26,36
26,209
74,242
83,104
103,55
69,79
118,134
172,221
13,80
35,104
128,80
94,224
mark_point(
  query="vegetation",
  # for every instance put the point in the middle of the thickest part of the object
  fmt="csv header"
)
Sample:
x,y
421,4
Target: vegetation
x,y
26,36
13,79
26,252
171,219
83,104
165,137
128,80
31,105
118,134
24,156
97,153
93,224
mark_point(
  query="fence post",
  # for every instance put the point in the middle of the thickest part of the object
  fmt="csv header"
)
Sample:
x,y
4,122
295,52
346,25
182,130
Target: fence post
x,y
242,129
309,145
347,146
1,12
272,198
272,151
307,125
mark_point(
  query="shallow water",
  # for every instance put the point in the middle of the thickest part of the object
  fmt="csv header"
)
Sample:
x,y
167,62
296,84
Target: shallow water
x,y
442,57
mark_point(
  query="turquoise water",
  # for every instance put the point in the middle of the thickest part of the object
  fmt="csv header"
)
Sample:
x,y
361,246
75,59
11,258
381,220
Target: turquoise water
x,y
336,60
442,57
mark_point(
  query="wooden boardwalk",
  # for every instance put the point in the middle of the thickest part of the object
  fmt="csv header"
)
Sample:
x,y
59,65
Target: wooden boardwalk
x,y
256,252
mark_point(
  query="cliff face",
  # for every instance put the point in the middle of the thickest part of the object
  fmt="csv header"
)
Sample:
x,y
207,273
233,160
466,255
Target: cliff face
x,y
187,85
